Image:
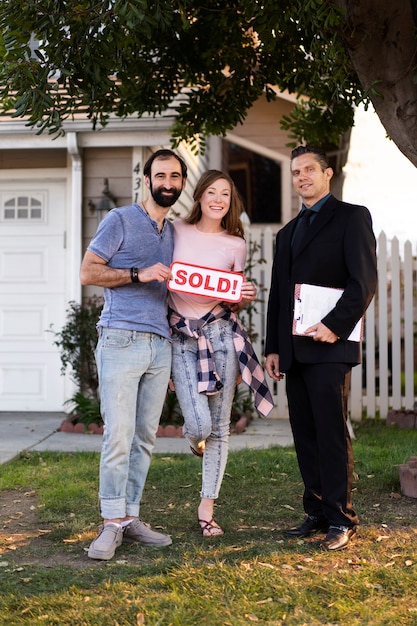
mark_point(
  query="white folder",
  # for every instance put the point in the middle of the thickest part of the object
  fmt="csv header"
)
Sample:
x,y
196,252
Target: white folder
x,y
312,303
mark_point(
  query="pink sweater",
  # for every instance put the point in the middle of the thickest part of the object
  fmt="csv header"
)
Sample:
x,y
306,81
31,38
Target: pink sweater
x,y
216,250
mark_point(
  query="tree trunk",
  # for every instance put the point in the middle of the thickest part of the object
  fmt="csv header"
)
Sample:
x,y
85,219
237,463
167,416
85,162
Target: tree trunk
x,y
380,38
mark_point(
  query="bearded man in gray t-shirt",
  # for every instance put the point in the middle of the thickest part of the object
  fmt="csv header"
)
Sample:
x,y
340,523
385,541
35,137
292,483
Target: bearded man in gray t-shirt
x,y
130,257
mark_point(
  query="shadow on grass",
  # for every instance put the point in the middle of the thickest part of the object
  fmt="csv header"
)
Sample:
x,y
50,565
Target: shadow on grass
x,y
48,516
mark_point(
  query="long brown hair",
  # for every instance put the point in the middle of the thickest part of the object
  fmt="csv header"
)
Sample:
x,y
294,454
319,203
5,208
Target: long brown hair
x,y
231,221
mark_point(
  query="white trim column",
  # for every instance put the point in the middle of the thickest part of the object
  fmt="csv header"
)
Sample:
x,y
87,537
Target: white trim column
x,y
215,152
137,174
73,238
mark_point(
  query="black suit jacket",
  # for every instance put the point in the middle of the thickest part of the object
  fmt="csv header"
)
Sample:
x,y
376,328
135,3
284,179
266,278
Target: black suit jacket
x,y
339,251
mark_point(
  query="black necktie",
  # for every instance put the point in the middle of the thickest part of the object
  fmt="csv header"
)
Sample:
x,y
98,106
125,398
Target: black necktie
x,y
301,229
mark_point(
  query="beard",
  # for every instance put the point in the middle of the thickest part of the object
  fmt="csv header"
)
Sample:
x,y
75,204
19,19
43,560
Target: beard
x,y
165,197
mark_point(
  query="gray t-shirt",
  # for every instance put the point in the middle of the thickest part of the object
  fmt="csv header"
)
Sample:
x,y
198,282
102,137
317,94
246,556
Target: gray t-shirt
x,y
128,237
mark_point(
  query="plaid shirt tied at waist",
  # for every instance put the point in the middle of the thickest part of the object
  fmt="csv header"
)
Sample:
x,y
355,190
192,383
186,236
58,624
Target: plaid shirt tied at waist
x,y
208,380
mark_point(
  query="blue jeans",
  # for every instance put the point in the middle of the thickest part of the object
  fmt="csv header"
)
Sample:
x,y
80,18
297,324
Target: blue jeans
x,y
133,369
207,417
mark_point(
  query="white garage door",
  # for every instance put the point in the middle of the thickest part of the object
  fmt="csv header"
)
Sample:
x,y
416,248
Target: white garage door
x,y
32,293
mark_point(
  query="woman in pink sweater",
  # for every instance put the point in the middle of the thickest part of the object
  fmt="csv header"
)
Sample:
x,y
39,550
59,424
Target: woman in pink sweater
x,y
206,333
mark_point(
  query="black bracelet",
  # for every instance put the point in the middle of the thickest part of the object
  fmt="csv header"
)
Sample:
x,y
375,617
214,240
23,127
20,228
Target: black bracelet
x,y
134,275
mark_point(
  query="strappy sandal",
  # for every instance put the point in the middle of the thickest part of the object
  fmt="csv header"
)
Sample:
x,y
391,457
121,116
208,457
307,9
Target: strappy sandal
x,y
211,527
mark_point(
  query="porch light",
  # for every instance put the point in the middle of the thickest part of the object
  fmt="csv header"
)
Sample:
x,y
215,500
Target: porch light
x,y
107,202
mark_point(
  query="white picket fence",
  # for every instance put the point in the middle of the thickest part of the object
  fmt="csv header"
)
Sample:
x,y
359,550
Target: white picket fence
x,y
385,379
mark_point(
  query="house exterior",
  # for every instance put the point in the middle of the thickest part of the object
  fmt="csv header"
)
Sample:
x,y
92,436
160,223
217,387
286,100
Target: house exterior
x,y
50,198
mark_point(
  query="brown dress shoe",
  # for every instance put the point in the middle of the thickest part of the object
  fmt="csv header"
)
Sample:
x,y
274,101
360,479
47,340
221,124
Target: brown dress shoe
x,y
338,537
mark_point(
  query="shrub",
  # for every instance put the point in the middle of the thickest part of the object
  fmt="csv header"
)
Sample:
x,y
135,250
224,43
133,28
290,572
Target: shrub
x,y
77,341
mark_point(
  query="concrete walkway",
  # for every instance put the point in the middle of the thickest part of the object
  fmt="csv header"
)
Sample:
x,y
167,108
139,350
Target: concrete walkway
x,y
20,432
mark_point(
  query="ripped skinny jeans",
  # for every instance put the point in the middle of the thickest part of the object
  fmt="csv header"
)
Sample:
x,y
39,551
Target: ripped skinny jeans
x,y
207,417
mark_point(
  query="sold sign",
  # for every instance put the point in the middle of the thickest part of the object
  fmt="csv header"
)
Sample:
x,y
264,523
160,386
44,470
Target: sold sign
x,y
204,281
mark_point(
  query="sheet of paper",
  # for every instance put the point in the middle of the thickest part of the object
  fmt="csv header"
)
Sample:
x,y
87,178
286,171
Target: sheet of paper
x,y
312,303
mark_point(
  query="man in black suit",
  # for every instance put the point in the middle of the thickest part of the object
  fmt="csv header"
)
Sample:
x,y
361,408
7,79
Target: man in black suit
x,y
332,245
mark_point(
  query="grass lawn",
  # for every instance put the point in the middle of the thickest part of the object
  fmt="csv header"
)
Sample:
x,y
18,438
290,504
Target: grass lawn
x,y
252,574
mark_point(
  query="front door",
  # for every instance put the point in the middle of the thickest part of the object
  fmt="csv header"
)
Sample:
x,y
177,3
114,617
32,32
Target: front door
x,y
32,292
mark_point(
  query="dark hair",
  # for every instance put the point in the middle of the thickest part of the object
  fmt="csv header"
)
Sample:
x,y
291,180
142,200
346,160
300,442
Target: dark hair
x,y
164,154
320,155
231,221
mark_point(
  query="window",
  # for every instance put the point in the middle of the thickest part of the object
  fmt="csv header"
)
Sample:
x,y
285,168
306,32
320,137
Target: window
x,y
23,208
258,180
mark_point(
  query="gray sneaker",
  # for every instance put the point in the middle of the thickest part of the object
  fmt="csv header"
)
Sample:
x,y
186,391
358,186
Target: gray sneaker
x,y
104,545
139,531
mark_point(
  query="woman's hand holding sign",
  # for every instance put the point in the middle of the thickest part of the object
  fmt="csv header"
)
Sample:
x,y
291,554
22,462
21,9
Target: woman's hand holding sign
x,y
248,294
